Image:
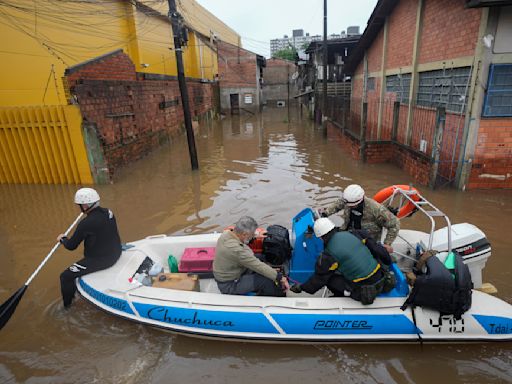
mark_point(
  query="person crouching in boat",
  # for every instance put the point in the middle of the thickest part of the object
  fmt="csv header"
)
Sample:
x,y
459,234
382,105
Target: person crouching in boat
x,y
237,271
346,264
102,245
361,212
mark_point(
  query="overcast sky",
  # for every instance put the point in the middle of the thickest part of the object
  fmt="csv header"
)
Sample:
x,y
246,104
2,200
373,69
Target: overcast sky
x,y
260,21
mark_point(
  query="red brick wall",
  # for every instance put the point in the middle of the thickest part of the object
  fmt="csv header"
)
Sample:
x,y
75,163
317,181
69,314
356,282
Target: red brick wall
x,y
237,67
493,155
379,152
347,142
357,88
375,53
127,111
449,30
102,68
415,164
373,111
401,30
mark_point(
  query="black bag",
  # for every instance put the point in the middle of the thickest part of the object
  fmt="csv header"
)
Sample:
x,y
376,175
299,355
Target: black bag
x,y
276,245
438,290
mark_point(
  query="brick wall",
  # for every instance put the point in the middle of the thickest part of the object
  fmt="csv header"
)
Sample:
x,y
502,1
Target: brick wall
x,y
237,67
413,163
277,71
492,165
379,152
375,53
401,30
449,30
349,143
102,68
126,110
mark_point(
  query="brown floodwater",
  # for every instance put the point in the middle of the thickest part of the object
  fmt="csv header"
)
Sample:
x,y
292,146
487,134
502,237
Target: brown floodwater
x,y
261,166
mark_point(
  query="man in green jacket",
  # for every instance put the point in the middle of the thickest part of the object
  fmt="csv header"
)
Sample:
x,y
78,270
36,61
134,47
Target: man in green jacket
x,y
236,269
345,265
361,212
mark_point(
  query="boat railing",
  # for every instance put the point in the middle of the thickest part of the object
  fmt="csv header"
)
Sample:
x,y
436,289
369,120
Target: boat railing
x,y
424,206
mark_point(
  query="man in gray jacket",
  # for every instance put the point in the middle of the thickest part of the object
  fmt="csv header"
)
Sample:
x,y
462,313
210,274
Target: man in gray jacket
x,y
236,269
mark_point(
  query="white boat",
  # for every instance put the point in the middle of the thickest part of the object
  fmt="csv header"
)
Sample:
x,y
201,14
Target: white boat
x,y
301,317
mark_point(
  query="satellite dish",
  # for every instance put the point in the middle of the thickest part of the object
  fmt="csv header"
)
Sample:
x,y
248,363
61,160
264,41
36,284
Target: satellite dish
x,y
295,75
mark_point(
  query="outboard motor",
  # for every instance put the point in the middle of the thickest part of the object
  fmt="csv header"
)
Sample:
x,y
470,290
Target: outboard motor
x,y
469,242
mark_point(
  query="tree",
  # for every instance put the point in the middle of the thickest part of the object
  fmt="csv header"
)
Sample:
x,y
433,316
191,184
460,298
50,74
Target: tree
x,y
286,54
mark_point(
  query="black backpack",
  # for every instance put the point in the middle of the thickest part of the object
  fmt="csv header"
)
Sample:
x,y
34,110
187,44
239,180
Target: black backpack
x,y
276,245
438,290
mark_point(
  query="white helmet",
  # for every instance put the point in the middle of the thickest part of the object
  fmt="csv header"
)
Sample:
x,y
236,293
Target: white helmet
x,y
323,226
353,195
86,196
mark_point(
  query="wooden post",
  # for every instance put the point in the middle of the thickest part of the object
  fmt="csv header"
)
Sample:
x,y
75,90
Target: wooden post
x,y
362,138
436,145
396,119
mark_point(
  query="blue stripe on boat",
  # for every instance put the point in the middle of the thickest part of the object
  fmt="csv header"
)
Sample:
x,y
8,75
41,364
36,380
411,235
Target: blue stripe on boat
x,y
346,324
219,320
495,325
113,302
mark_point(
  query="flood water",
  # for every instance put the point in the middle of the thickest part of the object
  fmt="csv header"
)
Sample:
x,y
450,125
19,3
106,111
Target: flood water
x,y
258,166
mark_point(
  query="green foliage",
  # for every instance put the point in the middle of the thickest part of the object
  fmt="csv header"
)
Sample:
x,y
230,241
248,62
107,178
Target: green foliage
x,y
287,54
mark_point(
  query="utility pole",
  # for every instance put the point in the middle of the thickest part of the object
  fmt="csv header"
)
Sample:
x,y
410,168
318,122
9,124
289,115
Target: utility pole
x,y
324,65
175,18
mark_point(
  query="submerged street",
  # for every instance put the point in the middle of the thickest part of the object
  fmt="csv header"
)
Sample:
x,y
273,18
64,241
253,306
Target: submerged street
x,y
260,166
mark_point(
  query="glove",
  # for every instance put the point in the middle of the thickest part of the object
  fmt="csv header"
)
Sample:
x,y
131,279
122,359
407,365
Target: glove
x,y
296,288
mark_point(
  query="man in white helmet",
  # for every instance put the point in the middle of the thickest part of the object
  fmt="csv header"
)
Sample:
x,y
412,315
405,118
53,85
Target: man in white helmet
x,y
346,264
360,212
102,245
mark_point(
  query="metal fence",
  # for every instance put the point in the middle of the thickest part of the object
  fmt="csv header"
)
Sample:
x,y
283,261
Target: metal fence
x,y
43,145
428,130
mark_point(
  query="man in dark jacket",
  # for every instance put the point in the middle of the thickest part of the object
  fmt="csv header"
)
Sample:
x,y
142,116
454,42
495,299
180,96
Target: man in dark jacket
x,y
102,245
345,265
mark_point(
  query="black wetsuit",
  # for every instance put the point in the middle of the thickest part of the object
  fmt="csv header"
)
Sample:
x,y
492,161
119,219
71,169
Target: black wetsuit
x,y
102,248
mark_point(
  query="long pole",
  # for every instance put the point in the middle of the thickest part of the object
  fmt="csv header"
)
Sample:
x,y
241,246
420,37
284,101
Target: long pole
x,y
174,16
324,65
9,306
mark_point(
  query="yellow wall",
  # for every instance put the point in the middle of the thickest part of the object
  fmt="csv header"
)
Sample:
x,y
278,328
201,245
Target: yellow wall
x,y
40,39
41,139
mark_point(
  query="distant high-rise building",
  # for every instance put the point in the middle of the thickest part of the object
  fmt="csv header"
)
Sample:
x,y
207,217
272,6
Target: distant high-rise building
x,y
298,33
299,40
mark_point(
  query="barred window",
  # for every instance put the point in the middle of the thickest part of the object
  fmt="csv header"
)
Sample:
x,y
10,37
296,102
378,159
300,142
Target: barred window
x,y
444,87
498,98
400,85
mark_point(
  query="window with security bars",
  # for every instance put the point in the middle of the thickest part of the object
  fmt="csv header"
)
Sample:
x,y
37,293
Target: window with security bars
x,y
445,87
400,85
498,98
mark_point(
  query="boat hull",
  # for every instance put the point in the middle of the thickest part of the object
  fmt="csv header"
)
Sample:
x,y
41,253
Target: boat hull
x,y
297,319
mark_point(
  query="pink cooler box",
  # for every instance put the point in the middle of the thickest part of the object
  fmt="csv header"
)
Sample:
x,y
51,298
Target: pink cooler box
x,y
197,260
